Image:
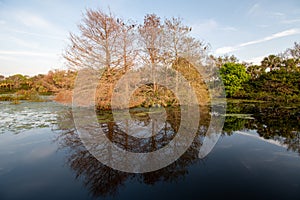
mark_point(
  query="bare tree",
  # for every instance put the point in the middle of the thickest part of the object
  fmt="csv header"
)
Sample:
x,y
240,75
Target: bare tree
x,y
175,36
105,43
127,43
295,51
176,32
96,46
114,46
127,48
151,37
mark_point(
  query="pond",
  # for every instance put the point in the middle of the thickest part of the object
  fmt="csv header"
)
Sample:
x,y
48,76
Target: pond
x,y
257,155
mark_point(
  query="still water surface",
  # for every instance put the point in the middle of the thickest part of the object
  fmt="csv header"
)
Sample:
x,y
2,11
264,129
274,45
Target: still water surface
x,y
256,157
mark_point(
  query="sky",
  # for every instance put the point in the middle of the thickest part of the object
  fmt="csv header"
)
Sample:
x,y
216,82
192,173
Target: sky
x,y
34,33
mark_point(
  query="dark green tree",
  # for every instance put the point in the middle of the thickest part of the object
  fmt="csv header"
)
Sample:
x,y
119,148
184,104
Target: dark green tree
x,y
272,62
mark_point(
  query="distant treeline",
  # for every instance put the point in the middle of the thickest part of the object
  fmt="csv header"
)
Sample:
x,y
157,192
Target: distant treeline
x,y
277,78
23,87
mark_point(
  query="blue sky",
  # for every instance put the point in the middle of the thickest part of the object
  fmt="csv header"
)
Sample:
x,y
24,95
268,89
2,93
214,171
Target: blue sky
x,y
34,33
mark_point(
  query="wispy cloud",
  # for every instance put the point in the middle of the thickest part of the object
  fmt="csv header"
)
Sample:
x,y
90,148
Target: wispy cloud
x,y
277,14
6,58
262,12
27,53
34,23
224,50
48,36
254,9
229,49
22,42
32,20
263,25
256,60
290,21
209,26
228,28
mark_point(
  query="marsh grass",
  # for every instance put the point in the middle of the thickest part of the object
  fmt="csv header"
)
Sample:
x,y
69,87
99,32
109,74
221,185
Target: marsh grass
x,y
16,98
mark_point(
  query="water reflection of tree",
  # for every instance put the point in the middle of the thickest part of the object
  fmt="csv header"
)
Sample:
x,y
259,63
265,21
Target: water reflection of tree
x,y
271,122
105,181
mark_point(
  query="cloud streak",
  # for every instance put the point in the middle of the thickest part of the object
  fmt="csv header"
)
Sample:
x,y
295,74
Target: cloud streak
x,y
49,36
256,60
253,9
32,20
210,25
290,21
34,23
22,43
229,49
27,53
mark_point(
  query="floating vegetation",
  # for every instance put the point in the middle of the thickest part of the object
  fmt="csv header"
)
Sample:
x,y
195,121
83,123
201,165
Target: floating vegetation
x,y
27,115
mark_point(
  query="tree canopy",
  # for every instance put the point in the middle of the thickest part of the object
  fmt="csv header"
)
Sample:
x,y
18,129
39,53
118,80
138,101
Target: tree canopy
x,y
233,76
112,46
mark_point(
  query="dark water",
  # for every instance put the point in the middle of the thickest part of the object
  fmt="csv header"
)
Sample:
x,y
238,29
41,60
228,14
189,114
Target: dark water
x,y
256,157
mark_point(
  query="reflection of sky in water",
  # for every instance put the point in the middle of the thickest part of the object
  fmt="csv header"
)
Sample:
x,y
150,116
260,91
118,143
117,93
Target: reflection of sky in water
x,y
31,167
24,116
24,148
277,140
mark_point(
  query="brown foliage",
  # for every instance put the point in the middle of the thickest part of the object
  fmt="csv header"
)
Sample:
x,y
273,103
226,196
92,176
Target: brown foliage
x,y
64,97
112,45
195,79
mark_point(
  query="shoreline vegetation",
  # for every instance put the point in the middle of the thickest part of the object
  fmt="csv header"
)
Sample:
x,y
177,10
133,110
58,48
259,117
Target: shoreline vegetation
x,y
243,82
164,49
